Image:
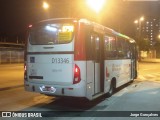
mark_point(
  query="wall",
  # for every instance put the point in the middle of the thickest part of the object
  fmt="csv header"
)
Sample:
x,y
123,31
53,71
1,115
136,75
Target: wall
x,y
11,56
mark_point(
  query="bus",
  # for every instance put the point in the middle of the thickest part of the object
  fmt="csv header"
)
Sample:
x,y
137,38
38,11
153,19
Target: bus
x,y
69,57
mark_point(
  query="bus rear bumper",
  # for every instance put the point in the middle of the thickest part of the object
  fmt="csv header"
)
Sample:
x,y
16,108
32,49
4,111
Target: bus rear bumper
x,y
77,90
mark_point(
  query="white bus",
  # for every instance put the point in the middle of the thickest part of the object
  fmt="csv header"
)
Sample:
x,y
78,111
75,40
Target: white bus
x,y
77,58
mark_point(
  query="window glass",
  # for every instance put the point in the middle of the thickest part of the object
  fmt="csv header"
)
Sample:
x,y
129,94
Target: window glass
x,y
90,47
123,48
51,34
120,48
93,47
127,49
110,47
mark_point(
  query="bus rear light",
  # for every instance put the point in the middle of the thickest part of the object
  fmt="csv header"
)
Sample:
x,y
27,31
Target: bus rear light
x,y
77,76
30,26
25,68
107,73
25,72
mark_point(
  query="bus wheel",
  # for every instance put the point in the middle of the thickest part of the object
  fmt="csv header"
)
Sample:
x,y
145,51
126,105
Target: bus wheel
x,y
111,90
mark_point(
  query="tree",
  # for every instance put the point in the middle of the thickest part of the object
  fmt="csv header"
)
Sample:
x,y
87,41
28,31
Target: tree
x,y
157,46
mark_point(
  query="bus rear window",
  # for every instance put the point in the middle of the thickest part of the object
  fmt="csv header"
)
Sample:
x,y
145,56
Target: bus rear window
x,y
51,34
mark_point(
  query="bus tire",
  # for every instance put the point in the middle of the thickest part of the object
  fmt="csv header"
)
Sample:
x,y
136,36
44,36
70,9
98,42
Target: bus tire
x,y
135,76
112,89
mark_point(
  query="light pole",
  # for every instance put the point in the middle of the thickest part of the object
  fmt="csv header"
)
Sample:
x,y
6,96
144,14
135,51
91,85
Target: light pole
x,y
136,29
46,6
139,23
139,35
140,27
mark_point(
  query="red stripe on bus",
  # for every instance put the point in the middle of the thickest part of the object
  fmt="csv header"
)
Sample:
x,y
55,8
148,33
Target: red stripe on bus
x,y
80,51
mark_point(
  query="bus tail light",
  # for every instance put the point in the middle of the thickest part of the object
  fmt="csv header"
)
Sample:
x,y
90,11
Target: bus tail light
x,y
25,72
107,73
77,75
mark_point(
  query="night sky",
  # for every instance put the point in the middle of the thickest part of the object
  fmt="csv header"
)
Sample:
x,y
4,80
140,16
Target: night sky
x,y
16,15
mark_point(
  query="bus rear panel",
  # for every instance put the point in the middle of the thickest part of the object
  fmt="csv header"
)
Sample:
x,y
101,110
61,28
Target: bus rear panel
x,y
50,65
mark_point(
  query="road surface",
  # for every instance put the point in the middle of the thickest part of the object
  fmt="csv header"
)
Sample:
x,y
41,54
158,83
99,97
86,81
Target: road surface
x,y
141,95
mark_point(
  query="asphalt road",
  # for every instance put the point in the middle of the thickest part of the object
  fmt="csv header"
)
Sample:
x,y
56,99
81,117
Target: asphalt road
x,y
141,95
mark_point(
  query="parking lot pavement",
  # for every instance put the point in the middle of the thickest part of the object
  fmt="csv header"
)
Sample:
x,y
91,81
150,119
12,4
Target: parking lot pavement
x,y
150,60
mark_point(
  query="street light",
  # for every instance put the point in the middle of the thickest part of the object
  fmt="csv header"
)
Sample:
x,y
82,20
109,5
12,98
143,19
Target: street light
x,y
136,21
96,5
139,23
159,36
141,19
45,5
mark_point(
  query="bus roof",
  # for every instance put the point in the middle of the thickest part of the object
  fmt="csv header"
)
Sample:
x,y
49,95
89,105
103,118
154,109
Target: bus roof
x,y
86,21
108,30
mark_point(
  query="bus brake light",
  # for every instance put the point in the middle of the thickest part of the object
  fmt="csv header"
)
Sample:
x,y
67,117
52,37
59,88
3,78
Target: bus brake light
x,y
25,72
77,77
107,73
30,26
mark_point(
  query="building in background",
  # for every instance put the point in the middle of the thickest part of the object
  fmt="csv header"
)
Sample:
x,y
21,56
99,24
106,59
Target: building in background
x,y
151,31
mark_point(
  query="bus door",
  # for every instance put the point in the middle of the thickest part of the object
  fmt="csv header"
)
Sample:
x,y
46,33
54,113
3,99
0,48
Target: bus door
x,y
133,62
95,66
97,55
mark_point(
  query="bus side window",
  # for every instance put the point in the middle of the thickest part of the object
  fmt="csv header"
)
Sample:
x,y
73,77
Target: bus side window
x,y
120,48
95,43
123,48
110,47
89,46
133,51
97,48
127,49
92,47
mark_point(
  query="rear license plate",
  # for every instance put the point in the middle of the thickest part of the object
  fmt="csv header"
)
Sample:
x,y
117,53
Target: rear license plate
x,y
49,89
